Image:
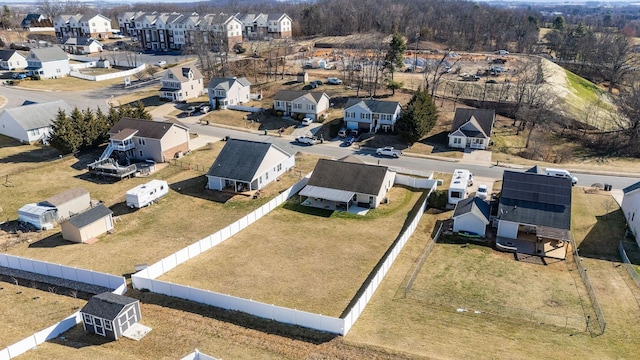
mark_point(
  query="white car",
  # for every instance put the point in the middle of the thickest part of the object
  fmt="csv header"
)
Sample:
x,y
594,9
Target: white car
x,y
306,121
482,192
334,81
205,109
388,151
161,63
308,140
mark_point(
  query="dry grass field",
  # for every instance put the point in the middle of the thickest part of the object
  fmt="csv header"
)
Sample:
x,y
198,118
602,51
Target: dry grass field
x,y
69,83
26,310
277,259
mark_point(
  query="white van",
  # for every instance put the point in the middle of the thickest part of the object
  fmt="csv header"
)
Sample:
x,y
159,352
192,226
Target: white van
x,y
562,173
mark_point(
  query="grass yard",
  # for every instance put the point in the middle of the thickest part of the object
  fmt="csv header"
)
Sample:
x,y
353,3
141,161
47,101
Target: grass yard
x,y
26,310
69,83
299,257
185,215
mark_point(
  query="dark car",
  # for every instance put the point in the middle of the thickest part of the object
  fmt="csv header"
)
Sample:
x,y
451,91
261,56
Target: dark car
x,y
350,140
491,82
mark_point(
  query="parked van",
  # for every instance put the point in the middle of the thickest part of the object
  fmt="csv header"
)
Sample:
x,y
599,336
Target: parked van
x,y
562,173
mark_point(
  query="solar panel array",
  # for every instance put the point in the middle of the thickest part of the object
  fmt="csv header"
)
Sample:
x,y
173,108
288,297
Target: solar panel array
x,y
536,188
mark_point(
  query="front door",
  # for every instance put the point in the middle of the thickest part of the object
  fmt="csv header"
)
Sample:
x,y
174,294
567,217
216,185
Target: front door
x,y
98,325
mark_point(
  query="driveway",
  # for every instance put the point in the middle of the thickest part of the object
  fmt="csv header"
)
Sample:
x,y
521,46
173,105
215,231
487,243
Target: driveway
x,y
477,156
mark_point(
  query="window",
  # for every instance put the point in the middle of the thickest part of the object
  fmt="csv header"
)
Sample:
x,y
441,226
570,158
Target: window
x,y
141,141
88,319
456,195
266,176
141,154
457,140
279,167
349,114
107,325
311,107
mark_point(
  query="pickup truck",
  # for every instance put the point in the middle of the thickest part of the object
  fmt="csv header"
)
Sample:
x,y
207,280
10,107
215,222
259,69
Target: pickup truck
x,y
308,140
388,151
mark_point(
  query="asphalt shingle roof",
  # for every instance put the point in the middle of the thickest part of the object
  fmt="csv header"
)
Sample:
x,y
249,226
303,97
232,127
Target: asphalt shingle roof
x,y
631,187
473,205
227,83
239,160
375,106
484,118
348,176
52,53
146,128
64,197
38,115
290,95
90,216
107,305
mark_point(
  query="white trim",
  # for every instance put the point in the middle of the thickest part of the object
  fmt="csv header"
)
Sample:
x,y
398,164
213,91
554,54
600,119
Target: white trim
x,y
88,319
107,326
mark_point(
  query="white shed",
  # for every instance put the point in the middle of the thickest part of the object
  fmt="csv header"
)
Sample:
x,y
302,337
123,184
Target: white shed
x,y
471,214
42,217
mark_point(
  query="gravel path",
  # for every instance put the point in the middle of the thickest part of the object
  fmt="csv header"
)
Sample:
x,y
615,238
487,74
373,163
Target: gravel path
x,y
52,280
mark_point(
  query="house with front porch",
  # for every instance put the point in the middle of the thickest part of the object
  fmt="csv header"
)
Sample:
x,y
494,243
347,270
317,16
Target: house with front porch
x,y
471,128
228,91
181,83
371,115
534,214
244,166
301,103
346,184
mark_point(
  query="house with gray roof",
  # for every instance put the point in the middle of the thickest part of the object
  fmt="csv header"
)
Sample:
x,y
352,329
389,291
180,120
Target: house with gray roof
x,y
82,45
48,62
630,206
88,224
245,165
110,315
344,185
472,215
181,83
95,26
371,115
471,128
534,214
31,123
301,103
12,60
228,91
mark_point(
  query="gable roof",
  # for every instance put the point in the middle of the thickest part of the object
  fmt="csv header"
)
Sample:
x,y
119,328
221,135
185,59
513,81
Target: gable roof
x,y
290,95
227,83
484,119
52,53
631,188
90,216
107,305
181,73
375,106
240,159
535,199
475,206
64,197
6,54
82,40
38,115
348,176
146,128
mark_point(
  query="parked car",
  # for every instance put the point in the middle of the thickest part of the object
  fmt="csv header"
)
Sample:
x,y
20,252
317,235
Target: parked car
x,y
307,121
343,132
388,151
481,193
334,81
319,82
19,76
350,140
161,63
306,139
205,109
313,84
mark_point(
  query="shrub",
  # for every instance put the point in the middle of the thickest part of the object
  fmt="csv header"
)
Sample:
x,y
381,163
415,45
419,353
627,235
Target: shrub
x,y
279,113
438,199
35,77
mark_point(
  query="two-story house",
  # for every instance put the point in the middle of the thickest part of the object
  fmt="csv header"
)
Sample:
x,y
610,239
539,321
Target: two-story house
x,y
95,26
371,115
182,83
307,104
32,122
228,91
127,24
279,25
260,26
12,60
48,62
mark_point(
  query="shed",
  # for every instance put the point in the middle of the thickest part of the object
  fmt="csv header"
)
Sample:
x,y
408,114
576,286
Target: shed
x,y
42,217
110,315
302,77
69,202
471,214
87,225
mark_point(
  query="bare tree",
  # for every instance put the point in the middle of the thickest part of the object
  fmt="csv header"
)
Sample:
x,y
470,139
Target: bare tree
x,y
614,57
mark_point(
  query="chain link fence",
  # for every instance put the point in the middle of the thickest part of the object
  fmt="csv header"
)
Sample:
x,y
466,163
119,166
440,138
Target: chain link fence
x,y
598,326
425,254
628,266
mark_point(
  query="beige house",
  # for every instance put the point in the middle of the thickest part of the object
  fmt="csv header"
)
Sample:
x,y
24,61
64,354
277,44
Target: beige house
x,y
87,225
182,83
295,103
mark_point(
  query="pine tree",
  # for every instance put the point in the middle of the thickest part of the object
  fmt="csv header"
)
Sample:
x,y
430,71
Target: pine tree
x,y
418,117
64,136
139,112
394,58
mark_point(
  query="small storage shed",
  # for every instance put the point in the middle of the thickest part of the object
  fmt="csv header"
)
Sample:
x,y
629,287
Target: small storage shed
x,y
471,214
110,315
87,225
69,202
42,217
145,194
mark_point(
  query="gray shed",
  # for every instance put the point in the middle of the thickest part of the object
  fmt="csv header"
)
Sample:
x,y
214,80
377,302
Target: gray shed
x,y
110,315
69,202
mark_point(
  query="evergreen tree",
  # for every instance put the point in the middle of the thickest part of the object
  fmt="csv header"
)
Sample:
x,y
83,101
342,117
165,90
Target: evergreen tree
x,y
394,58
91,131
418,117
139,112
103,126
64,136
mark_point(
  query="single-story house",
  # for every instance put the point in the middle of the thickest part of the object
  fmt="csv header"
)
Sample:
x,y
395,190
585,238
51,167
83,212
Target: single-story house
x,y
534,214
139,139
31,123
82,45
110,315
471,214
631,206
471,128
48,62
342,184
228,91
181,83
12,60
301,103
245,165
88,224
371,115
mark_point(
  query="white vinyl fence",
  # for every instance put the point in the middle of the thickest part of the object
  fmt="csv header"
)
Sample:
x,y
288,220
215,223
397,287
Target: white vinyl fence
x,y
146,279
417,183
245,108
108,76
197,355
117,283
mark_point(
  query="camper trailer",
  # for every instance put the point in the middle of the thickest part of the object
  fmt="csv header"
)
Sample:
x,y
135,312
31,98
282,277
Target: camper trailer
x,y
460,181
145,194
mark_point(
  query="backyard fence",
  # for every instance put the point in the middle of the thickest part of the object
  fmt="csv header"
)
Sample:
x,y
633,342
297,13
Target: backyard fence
x,y
245,108
108,76
415,183
187,165
197,355
425,254
628,266
602,324
117,283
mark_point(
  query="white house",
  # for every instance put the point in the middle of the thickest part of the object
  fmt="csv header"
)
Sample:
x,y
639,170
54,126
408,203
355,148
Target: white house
x,y
182,83
245,165
373,115
279,25
631,206
228,91
303,103
471,214
48,62
89,25
82,45
31,123
12,60
471,128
